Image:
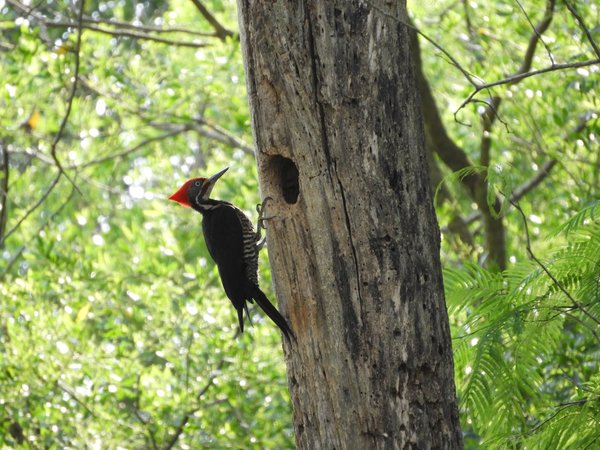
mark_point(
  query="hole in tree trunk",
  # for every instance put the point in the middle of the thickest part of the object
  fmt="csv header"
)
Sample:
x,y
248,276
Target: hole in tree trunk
x,y
286,174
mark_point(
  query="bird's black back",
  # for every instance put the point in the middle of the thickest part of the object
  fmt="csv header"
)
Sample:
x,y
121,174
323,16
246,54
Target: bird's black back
x,y
231,242
223,235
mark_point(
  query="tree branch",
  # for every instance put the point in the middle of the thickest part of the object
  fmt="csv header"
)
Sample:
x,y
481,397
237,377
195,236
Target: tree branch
x,y
131,150
4,192
72,394
495,234
491,111
456,159
185,419
138,416
468,76
30,211
585,29
547,271
55,142
561,407
220,31
591,328
18,254
131,33
536,37
128,34
65,118
521,76
211,131
450,153
145,28
225,137
533,182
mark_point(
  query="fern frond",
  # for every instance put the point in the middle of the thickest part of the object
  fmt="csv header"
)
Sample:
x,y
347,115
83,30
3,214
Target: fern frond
x,y
525,353
592,212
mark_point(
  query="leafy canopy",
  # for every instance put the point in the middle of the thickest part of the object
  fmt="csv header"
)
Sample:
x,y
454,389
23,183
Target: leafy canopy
x,y
114,330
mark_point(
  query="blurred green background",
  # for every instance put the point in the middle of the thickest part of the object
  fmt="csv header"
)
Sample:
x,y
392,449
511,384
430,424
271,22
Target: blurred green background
x,y
114,329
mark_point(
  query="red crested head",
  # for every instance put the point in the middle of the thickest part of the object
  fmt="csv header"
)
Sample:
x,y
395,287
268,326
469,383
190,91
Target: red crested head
x,y
195,190
182,195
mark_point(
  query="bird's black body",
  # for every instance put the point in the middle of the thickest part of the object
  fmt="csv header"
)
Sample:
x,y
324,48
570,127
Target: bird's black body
x,y
232,244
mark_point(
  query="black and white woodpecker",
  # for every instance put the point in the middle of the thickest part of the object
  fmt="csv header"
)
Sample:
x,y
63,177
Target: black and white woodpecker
x,y
233,245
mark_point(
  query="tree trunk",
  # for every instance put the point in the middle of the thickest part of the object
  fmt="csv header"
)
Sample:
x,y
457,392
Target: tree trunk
x,y
354,244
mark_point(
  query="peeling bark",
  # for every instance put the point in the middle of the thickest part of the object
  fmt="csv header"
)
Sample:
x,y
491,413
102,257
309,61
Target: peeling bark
x,y
354,244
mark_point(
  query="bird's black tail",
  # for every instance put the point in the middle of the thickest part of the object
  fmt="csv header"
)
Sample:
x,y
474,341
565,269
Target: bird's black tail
x,y
270,310
240,313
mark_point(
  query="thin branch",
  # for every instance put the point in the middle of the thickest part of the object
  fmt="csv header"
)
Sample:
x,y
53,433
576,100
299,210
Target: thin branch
x,y
145,28
221,135
468,18
592,442
534,181
65,118
131,150
536,37
72,394
240,420
575,382
220,31
547,271
591,328
585,29
13,260
561,407
33,208
521,76
209,131
4,191
185,419
453,61
138,416
128,34
451,154
131,33
469,77
522,190
17,255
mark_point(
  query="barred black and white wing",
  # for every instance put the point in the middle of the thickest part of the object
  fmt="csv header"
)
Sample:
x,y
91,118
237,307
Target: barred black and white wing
x,y
231,242
249,243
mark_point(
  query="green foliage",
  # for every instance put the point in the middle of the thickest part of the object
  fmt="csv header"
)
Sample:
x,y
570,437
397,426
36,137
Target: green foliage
x,y
526,348
549,116
526,356
114,330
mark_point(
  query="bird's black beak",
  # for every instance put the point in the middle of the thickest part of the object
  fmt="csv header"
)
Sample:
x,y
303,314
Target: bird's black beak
x,y
212,180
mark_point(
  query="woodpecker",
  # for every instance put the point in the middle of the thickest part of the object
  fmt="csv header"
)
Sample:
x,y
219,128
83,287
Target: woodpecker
x,y
233,244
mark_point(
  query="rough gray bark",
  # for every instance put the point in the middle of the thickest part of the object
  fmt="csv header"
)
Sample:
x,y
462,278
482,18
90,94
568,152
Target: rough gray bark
x,y
354,246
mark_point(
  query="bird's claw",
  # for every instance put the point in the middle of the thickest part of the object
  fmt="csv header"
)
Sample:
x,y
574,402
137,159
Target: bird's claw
x,y
260,208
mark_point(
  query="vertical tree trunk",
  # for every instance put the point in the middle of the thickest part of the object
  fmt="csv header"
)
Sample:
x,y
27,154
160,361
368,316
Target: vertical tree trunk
x,y
354,246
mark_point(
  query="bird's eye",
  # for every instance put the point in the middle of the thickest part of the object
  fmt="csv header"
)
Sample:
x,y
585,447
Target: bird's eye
x,y
198,184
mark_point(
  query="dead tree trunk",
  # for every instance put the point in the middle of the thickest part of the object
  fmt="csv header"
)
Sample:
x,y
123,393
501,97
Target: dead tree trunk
x,y
354,246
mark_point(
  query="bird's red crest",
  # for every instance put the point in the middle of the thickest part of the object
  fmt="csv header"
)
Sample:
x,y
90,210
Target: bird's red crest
x,y
181,195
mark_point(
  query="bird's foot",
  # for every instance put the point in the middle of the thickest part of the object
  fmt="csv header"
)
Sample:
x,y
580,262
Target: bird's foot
x,y
260,209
